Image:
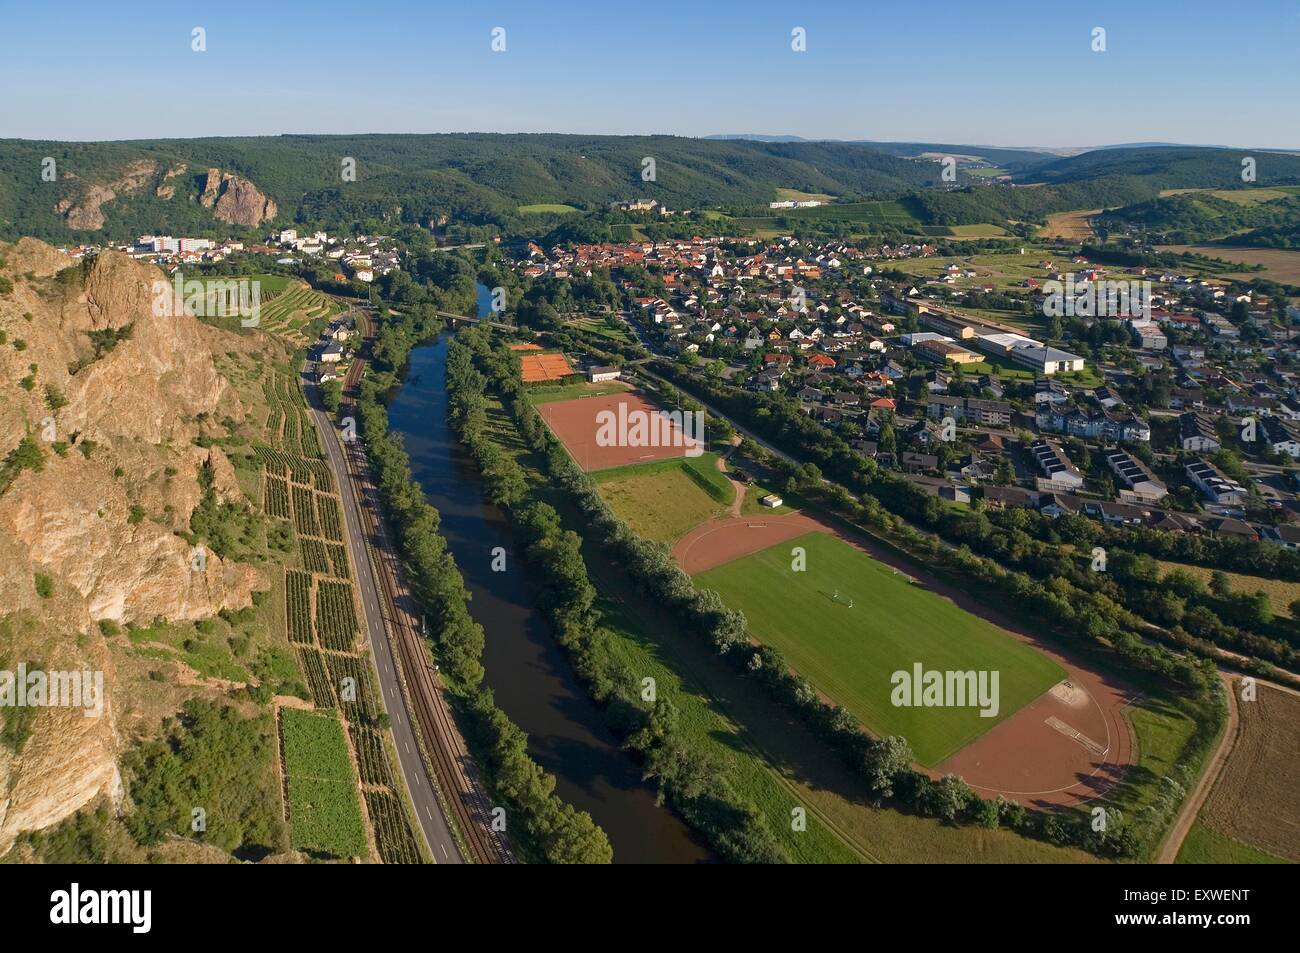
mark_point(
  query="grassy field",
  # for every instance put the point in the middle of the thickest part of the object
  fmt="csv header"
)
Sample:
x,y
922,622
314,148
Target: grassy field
x,y
1280,264
659,502
850,654
546,207
550,393
794,195
768,758
1204,846
323,810
1281,593
598,326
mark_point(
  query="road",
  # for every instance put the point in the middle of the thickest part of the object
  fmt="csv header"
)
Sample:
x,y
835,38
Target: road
x,y
1214,767
408,683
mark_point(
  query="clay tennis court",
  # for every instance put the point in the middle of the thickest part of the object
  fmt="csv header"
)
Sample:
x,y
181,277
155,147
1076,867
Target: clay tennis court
x,y
540,366
575,423
1068,746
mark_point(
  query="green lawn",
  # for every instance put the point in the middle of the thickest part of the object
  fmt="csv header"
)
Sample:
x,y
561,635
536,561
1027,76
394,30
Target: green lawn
x,y
323,810
1204,846
850,654
548,394
661,503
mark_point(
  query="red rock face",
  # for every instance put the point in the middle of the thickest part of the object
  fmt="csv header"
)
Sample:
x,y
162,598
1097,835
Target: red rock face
x,y
235,200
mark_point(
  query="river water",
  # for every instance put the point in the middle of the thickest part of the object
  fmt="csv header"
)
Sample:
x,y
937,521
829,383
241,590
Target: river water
x,y
528,673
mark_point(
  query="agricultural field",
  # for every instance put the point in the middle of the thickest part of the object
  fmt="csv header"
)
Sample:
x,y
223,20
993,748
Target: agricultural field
x,y
1072,226
1204,846
324,813
336,616
293,311
850,653
1256,800
1280,264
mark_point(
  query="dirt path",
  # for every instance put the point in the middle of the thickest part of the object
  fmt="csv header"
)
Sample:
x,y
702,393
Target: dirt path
x,y
721,462
1196,799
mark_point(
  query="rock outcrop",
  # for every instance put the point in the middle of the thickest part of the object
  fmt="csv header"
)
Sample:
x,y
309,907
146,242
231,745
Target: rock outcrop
x,y
84,210
119,393
235,200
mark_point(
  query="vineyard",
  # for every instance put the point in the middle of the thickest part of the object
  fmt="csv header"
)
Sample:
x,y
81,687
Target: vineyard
x,y
314,558
291,311
298,605
371,757
321,789
276,497
304,512
325,815
336,616
338,555
331,527
393,836
318,681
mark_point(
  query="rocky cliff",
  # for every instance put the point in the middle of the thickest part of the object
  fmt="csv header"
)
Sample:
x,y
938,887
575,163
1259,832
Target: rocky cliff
x,y
235,200
113,394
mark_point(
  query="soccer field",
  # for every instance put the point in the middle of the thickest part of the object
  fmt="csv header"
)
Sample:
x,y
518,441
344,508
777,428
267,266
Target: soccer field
x,y
850,654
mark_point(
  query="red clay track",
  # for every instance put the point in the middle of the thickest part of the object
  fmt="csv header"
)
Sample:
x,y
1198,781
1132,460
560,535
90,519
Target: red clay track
x,y
575,423
1068,746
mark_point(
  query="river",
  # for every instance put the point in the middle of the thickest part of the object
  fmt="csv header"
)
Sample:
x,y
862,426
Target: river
x,y
527,671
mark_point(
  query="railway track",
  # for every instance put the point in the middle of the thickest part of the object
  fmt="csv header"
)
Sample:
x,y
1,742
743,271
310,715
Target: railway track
x,y
457,774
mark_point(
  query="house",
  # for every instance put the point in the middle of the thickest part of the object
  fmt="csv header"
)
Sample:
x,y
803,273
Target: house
x,y
991,413
1004,497
1059,474
598,375
1286,536
1197,434
919,462
1281,435
1134,474
1214,485
330,354
1225,527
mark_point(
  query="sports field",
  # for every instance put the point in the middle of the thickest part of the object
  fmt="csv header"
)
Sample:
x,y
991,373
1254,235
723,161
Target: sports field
x,y
850,654
663,500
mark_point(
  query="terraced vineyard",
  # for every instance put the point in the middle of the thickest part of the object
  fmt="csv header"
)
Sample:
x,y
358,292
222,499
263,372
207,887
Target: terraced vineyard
x,y
299,486
336,617
320,788
396,843
291,311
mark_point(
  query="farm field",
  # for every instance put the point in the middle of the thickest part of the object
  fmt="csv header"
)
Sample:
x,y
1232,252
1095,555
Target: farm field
x,y
850,653
324,813
1256,800
1281,593
1072,226
1204,846
1280,264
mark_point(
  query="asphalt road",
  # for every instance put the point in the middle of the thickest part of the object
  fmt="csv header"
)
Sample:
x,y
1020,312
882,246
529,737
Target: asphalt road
x,y
433,823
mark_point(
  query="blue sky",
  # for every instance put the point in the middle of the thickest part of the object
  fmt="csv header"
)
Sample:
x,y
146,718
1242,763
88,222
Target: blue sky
x,y
1006,73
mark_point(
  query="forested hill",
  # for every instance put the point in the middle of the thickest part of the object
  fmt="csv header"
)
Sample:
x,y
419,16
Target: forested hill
x,y
1173,167
156,185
